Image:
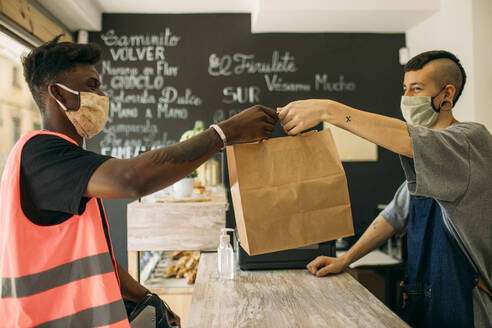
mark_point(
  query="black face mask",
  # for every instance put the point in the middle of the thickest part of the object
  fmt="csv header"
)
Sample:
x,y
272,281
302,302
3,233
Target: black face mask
x,y
437,110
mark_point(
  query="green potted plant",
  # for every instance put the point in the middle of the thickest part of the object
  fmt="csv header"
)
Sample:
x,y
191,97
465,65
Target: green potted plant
x,y
193,174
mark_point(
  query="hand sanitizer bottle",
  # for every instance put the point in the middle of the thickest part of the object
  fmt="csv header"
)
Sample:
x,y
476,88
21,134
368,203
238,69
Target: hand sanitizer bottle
x,y
225,256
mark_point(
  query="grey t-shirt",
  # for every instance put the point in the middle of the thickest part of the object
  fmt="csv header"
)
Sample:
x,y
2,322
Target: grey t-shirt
x,y
454,166
397,211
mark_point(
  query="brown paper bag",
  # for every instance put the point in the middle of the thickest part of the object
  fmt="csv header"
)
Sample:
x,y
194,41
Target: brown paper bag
x,y
289,192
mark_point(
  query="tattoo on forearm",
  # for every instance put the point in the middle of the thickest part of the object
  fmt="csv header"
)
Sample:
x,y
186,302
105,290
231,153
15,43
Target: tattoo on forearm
x,y
189,150
349,119
374,225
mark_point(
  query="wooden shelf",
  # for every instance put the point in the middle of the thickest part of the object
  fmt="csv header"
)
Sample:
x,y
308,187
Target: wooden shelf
x,y
32,20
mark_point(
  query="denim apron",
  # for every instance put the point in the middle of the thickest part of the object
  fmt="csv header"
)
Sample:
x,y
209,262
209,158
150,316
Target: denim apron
x,y
438,288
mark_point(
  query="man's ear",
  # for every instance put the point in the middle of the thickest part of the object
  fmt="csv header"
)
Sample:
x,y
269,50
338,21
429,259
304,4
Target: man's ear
x,y
54,91
66,100
449,93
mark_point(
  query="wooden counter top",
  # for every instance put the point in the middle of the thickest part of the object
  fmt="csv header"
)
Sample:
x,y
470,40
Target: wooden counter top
x,y
283,298
157,226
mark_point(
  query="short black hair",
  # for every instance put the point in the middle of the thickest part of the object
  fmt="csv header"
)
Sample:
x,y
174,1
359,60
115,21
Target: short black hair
x,y
43,64
454,75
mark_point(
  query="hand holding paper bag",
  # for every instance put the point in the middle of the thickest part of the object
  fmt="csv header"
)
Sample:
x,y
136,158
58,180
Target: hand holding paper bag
x,y
254,123
289,192
301,115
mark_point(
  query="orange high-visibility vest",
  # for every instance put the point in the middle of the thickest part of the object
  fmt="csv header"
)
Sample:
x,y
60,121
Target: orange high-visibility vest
x,y
62,275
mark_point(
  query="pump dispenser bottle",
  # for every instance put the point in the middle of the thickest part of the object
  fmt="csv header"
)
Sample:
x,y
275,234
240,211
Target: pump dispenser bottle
x,y
225,256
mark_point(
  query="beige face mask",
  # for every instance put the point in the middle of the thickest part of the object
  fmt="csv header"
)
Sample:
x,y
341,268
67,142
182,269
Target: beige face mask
x,y
91,116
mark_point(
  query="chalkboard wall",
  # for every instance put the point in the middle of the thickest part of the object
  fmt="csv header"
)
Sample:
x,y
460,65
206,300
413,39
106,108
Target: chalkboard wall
x,y
165,71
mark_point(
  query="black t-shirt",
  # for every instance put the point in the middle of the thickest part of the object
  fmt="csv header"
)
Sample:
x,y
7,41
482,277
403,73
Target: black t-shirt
x,y
54,176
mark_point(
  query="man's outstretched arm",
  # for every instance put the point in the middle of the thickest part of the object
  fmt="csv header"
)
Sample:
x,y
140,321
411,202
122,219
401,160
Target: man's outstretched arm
x,y
159,168
384,131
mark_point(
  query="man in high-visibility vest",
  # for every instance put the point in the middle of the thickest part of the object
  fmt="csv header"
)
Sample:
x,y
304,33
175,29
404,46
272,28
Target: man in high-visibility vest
x,y
56,260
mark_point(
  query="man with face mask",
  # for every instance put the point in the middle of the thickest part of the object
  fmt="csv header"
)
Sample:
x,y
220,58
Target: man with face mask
x,y
444,205
57,267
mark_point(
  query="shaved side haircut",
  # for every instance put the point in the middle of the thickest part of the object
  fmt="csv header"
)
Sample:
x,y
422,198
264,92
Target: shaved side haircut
x,y
447,69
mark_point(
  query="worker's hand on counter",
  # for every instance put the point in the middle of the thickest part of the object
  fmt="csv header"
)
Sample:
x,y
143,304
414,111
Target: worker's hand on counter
x,y
323,265
254,123
301,115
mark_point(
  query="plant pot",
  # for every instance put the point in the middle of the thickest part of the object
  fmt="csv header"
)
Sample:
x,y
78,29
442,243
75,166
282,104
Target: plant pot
x,y
183,188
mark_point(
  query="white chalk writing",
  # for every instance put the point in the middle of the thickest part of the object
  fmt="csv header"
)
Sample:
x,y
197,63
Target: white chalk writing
x,y
247,64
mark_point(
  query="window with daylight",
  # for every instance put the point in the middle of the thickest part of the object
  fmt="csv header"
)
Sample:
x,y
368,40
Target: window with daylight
x,y
18,113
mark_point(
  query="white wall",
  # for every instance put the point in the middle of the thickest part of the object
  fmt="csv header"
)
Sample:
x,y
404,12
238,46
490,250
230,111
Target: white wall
x,y
450,29
312,16
482,56
463,27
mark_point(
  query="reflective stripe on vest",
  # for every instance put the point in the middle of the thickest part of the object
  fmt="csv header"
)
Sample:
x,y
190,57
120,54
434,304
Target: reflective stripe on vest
x,y
98,316
54,276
